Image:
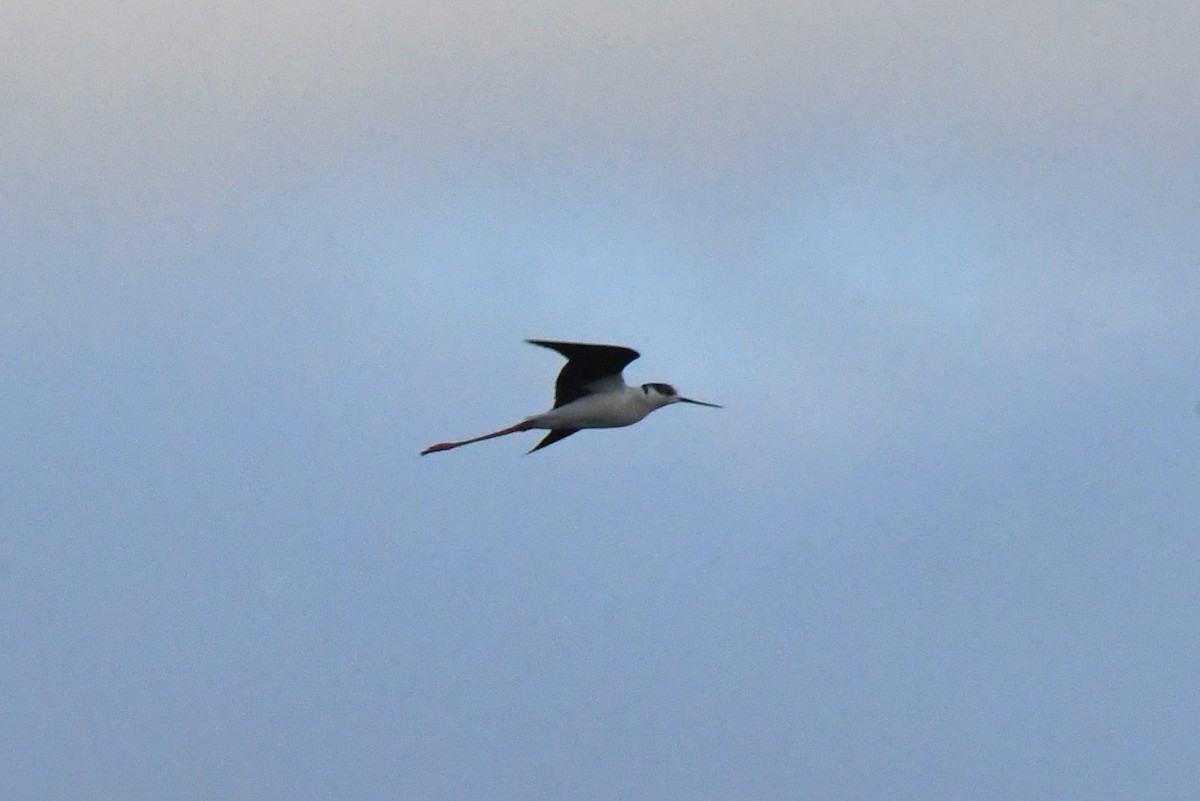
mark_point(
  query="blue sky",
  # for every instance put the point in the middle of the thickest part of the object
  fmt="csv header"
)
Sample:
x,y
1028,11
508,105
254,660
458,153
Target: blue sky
x,y
938,261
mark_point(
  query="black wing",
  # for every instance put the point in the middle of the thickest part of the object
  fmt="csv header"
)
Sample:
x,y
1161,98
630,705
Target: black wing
x,y
585,364
554,436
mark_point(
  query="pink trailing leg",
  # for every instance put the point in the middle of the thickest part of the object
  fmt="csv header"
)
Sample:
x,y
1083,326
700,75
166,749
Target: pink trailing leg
x,y
445,446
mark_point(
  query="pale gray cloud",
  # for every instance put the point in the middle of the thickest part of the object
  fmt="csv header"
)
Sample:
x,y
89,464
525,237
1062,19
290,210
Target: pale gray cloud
x,y
168,93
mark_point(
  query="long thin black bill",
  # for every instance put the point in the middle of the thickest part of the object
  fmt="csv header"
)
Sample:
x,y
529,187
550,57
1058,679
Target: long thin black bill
x,y
702,403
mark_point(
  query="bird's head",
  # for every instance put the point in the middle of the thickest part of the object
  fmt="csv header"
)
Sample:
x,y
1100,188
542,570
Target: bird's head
x,y
665,395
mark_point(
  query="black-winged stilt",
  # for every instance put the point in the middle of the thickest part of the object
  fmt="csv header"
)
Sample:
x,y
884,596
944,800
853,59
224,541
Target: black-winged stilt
x,y
589,393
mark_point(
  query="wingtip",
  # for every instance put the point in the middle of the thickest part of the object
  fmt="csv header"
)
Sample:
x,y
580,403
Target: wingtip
x,y
566,348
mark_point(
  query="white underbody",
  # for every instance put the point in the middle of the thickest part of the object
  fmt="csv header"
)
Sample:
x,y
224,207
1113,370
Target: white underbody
x,y
611,409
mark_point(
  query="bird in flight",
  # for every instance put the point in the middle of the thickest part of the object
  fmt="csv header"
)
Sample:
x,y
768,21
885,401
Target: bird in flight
x,y
590,393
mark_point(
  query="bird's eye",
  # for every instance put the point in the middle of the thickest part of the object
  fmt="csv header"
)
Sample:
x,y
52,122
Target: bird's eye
x,y
645,389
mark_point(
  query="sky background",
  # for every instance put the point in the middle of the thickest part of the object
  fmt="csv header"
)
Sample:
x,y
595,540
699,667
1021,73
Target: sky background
x,y
938,261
